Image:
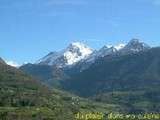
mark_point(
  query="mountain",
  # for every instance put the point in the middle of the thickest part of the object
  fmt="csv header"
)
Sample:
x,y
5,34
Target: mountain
x,y
86,62
129,77
24,98
72,54
104,51
18,90
50,75
134,46
132,71
78,53
51,69
132,80
2,61
119,46
54,67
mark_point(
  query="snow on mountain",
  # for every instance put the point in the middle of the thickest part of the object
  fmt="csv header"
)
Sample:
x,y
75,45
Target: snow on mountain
x,y
79,53
12,63
76,52
119,46
104,51
73,53
49,59
134,46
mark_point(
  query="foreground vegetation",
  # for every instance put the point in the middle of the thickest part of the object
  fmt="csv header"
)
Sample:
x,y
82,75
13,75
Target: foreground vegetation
x,y
22,98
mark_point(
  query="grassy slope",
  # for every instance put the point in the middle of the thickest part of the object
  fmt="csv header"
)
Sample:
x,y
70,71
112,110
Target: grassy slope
x,y
22,98
50,75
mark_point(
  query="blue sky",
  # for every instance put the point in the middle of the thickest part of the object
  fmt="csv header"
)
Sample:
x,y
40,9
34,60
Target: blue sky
x,y
29,29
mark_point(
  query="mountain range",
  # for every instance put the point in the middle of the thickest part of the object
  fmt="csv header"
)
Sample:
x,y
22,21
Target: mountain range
x,y
78,52
76,58
72,54
123,79
129,75
23,97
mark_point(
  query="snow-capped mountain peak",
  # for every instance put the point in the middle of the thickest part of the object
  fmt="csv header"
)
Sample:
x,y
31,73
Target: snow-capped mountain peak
x,y
134,46
79,47
75,52
49,58
119,46
137,45
104,51
72,54
78,52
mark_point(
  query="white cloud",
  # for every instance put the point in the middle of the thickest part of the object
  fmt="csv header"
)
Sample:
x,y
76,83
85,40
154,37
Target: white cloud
x,y
12,63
